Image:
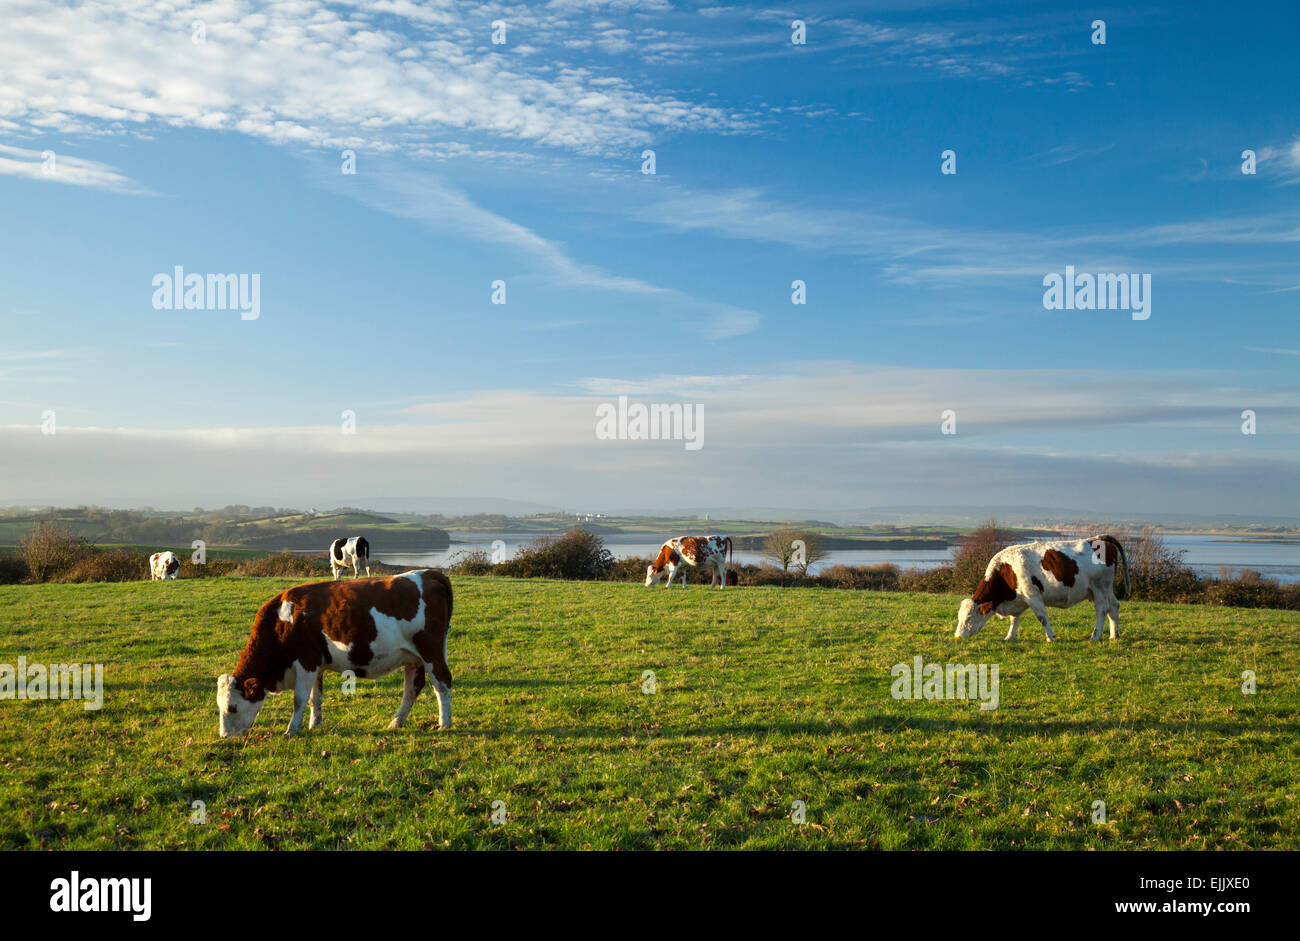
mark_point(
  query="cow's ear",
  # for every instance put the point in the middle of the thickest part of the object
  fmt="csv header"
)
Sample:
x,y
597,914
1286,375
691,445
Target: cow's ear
x,y
252,689
986,607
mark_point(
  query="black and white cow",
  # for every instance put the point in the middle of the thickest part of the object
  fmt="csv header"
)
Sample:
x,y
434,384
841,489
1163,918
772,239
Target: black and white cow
x,y
354,551
163,566
1039,575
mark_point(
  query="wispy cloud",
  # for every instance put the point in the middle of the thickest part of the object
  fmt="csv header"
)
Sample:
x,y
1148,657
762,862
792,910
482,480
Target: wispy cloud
x,y
49,166
441,207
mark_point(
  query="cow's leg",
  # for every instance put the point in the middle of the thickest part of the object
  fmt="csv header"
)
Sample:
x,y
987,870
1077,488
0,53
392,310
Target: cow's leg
x,y
303,682
672,573
414,683
334,568
720,573
435,657
1015,626
442,686
1113,617
1102,606
1040,611
317,696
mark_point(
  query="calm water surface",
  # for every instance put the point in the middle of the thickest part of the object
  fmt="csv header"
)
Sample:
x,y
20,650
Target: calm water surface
x,y
1206,554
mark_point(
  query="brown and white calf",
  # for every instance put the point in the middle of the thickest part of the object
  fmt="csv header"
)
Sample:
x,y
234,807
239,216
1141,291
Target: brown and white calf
x,y
163,566
370,626
1041,575
709,553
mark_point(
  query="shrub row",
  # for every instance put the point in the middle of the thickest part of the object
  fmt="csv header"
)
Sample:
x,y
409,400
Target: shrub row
x,y
1158,574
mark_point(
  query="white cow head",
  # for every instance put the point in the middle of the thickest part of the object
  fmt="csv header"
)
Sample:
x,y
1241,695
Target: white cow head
x,y
971,618
651,576
235,711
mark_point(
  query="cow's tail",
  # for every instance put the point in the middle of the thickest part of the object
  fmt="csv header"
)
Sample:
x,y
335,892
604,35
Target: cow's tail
x,y
731,555
441,577
1123,557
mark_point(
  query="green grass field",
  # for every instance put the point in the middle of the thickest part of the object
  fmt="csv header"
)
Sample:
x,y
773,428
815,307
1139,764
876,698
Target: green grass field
x,y
764,697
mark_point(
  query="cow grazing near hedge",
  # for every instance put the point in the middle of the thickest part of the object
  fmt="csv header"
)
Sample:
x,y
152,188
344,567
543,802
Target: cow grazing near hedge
x,y
711,553
1039,575
370,626
354,551
163,566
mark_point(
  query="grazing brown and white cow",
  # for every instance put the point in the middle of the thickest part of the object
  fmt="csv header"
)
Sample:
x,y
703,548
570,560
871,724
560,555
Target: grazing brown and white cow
x,y
354,551
709,553
163,566
370,626
1039,575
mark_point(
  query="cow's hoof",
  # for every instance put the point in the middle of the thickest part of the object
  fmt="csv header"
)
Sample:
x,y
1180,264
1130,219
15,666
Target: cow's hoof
x,y
444,728
394,725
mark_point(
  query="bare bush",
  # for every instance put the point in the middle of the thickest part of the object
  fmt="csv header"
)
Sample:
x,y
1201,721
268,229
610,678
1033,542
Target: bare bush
x,y
779,547
50,549
972,555
470,562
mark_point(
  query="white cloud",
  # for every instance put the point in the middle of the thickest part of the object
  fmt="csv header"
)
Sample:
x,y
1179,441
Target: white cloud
x,y
53,167
862,432
439,206
306,73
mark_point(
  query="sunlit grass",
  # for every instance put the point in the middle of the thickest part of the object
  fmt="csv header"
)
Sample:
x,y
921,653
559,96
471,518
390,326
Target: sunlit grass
x,y
764,696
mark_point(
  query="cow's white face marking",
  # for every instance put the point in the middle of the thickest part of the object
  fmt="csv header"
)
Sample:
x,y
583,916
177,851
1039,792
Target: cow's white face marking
x,y
286,611
235,713
969,619
651,576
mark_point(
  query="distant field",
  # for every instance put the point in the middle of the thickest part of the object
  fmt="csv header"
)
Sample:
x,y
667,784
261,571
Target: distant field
x,y
301,532
764,697
214,553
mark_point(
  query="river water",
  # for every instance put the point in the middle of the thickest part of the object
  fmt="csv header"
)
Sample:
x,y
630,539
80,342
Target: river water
x,y
1205,553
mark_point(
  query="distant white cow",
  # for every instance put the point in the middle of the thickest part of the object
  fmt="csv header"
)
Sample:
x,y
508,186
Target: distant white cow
x,y
354,552
1039,575
163,566
707,553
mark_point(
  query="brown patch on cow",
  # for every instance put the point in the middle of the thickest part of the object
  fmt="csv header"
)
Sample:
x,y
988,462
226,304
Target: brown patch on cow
x,y
995,590
1037,583
337,610
692,548
1062,567
667,554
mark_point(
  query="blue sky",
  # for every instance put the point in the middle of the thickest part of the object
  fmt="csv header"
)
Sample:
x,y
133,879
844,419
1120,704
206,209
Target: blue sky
x,y
522,162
